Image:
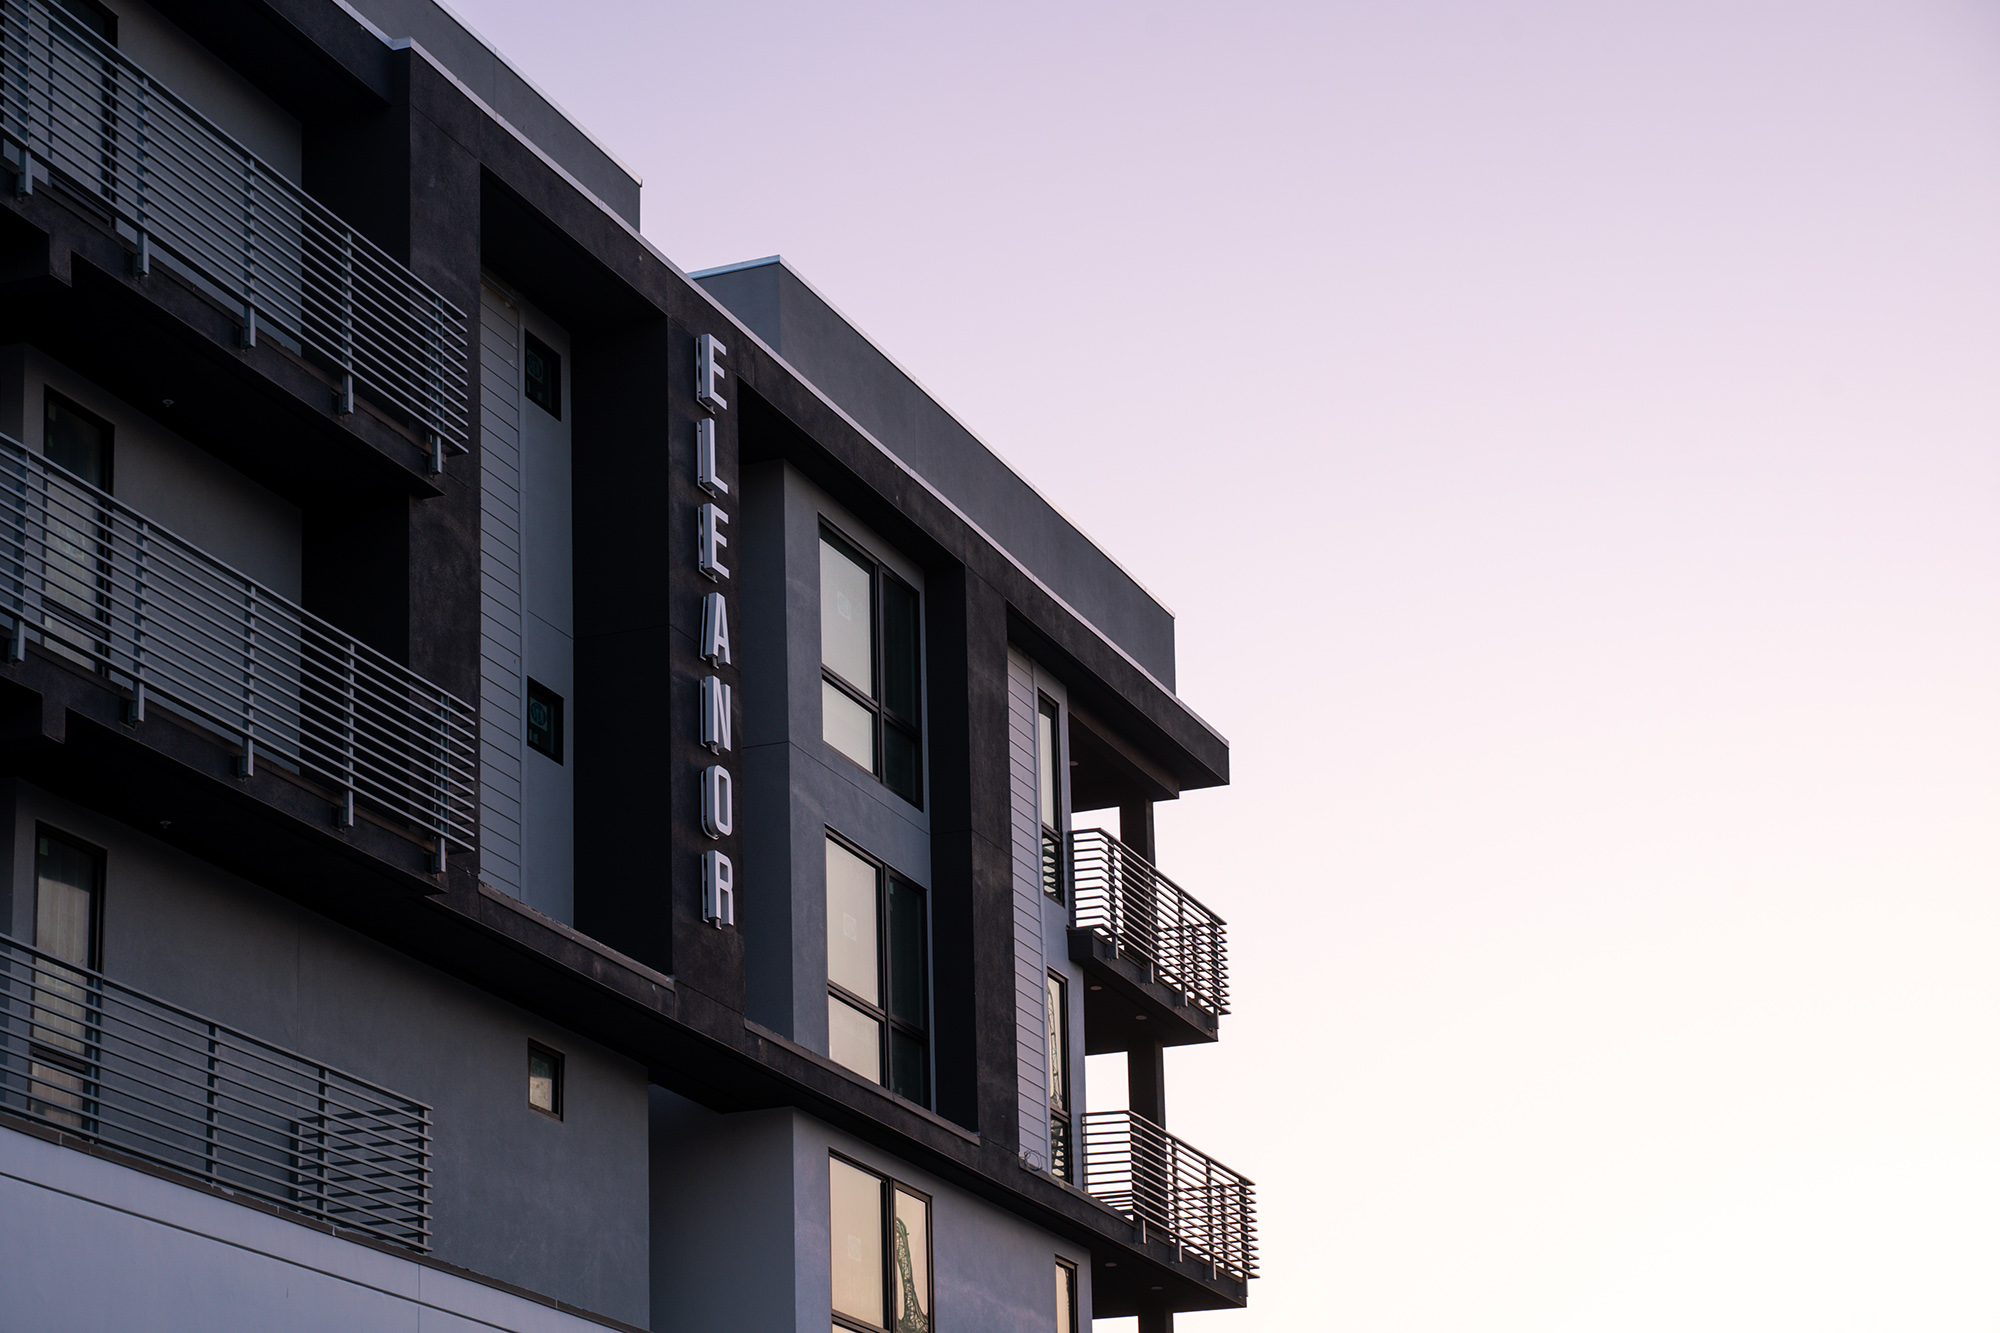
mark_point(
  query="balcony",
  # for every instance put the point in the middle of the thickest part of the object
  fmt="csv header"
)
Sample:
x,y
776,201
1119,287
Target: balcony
x,y
103,587
1171,1191
97,1061
1157,959
180,192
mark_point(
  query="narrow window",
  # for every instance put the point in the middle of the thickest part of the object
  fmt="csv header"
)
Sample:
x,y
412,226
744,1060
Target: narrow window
x,y
75,440
1048,783
878,987
871,660
541,369
1067,1315
1056,1007
69,879
545,721
545,1080
880,1240
93,18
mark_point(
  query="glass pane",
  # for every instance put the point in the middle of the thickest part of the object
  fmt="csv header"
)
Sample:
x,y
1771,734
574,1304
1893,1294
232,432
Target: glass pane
x,y
1045,750
72,440
846,618
856,1234
1065,1299
65,887
1058,1045
912,1229
853,1039
899,763
909,1067
906,952
900,654
541,1082
851,933
848,727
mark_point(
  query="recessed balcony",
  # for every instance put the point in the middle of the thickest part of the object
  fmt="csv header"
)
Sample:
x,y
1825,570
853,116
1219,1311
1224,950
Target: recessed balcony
x,y
99,585
92,1060
1171,1191
78,116
1156,958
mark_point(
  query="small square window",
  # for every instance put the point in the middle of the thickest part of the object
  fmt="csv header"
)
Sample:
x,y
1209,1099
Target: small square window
x,y
545,1080
545,721
542,375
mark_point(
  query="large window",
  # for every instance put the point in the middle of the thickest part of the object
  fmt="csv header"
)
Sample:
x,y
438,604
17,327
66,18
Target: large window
x,y
1048,782
1056,1006
881,1243
69,882
877,990
870,667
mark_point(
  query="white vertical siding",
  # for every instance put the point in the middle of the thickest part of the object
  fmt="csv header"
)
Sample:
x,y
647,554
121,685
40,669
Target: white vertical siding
x,y
501,707
1030,967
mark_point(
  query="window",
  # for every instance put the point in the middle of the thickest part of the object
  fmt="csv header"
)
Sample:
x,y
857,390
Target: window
x,y
93,18
881,1250
1057,1010
1048,783
541,374
1067,1315
545,721
545,1080
76,440
877,990
870,667
69,882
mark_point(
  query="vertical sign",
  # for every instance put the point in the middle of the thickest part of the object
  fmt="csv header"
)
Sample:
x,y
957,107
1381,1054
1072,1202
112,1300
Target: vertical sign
x,y
718,784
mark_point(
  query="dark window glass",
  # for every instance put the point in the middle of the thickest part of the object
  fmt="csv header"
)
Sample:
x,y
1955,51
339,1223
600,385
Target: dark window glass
x,y
871,667
545,721
76,441
92,18
877,956
542,375
67,884
1048,781
545,1080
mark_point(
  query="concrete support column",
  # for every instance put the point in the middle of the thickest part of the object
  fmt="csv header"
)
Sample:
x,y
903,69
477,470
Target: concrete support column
x,y
1146,1081
1135,828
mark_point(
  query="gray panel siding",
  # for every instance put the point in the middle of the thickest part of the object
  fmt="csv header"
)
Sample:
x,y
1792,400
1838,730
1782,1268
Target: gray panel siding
x,y
500,670
1030,967
91,1244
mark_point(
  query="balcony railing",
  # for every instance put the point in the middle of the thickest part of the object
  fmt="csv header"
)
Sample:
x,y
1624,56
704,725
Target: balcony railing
x,y
1173,1192
105,586
1149,918
180,187
97,1060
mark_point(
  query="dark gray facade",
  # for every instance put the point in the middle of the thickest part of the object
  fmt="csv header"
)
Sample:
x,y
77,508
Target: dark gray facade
x,y
537,786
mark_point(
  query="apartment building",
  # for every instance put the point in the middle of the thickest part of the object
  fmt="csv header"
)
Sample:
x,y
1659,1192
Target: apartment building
x,y
539,790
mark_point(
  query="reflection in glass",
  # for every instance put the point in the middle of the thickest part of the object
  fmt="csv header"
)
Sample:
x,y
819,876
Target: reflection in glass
x,y
899,650
1065,1298
853,1039
846,618
851,932
856,1240
911,1281
847,726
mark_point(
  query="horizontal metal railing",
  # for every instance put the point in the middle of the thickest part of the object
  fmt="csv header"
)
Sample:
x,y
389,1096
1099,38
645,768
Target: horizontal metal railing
x,y
1174,1192
1120,895
183,188
104,585
91,1058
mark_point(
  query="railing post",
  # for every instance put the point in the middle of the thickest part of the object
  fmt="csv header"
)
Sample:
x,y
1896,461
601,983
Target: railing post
x,y
142,258
247,765
347,739
441,818
344,402
249,251
212,1108
136,711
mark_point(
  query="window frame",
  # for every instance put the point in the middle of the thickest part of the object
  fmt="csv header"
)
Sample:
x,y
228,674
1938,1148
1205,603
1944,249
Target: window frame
x,y
1069,1300
888,1024
534,687
868,695
1063,1166
94,945
1054,839
890,1188
555,1058
550,356
53,397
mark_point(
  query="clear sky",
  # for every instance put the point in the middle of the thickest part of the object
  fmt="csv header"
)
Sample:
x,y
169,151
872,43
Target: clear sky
x,y
1567,435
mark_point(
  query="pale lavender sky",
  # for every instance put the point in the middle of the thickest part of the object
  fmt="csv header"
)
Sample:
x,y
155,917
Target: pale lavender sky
x,y
1566,433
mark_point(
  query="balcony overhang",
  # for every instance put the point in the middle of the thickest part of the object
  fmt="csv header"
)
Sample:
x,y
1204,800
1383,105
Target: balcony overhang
x,y
1127,1006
